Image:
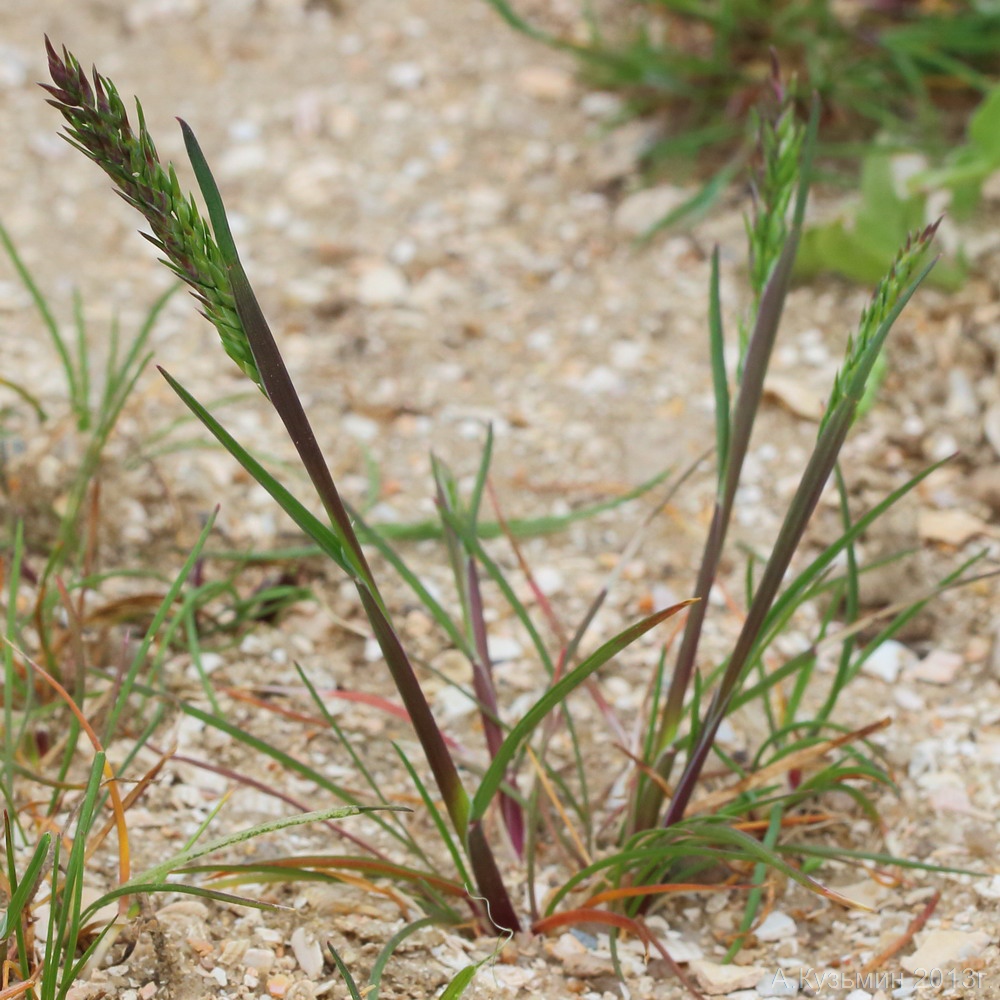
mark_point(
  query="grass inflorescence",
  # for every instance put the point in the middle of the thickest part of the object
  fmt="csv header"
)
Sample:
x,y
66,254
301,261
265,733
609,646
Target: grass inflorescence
x,y
673,827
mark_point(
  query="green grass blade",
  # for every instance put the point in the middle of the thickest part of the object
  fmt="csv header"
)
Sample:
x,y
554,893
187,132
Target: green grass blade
x,y
158,873
462,981
720,380
42,305
447,836
345,973
327,541
389,949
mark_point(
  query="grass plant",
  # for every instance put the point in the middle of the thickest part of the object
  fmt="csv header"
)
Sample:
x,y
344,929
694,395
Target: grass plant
x,y
63,802
701,66
891,78
673,826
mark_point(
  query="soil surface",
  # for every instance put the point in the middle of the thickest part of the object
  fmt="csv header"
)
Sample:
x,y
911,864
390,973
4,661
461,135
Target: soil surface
x,y
441,231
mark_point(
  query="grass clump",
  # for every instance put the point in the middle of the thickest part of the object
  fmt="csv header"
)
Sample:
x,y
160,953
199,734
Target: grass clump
x,y
674,828
896,68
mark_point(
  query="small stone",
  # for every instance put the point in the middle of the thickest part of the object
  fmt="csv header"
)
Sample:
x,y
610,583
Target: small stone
x,y
947,794
406,75
775,927
13,67
908,700
950,527
505,647
382,285
308,952
436,288
777,984
641,211
984,485
938,667
485,206
946,949
962,402
858,995
601,104
545,83
716,979
277,986
259,959
887,661
795,396
549,580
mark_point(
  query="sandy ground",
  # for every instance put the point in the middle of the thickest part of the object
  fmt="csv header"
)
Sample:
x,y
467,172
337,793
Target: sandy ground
x,y
441,233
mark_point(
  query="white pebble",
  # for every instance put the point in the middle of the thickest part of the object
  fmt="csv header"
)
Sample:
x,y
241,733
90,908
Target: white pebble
x,y
406,75
776,926
382,285
887,661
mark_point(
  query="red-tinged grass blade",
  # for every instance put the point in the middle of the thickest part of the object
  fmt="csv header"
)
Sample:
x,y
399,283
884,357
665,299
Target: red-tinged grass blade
x,y
489,881
589,915
475,548
281,796
466,574
664,888
354,697
486,695
494,776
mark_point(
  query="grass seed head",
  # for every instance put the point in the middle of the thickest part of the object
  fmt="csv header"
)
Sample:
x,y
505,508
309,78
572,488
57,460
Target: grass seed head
x,y
97,124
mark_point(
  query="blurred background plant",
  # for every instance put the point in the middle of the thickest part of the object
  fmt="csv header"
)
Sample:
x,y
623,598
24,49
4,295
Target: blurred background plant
x,y
892,76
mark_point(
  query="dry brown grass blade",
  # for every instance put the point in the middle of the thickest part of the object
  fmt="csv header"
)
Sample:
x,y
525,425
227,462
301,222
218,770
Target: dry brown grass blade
x,y
124,862
880,960
631,891
138,790
558,806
